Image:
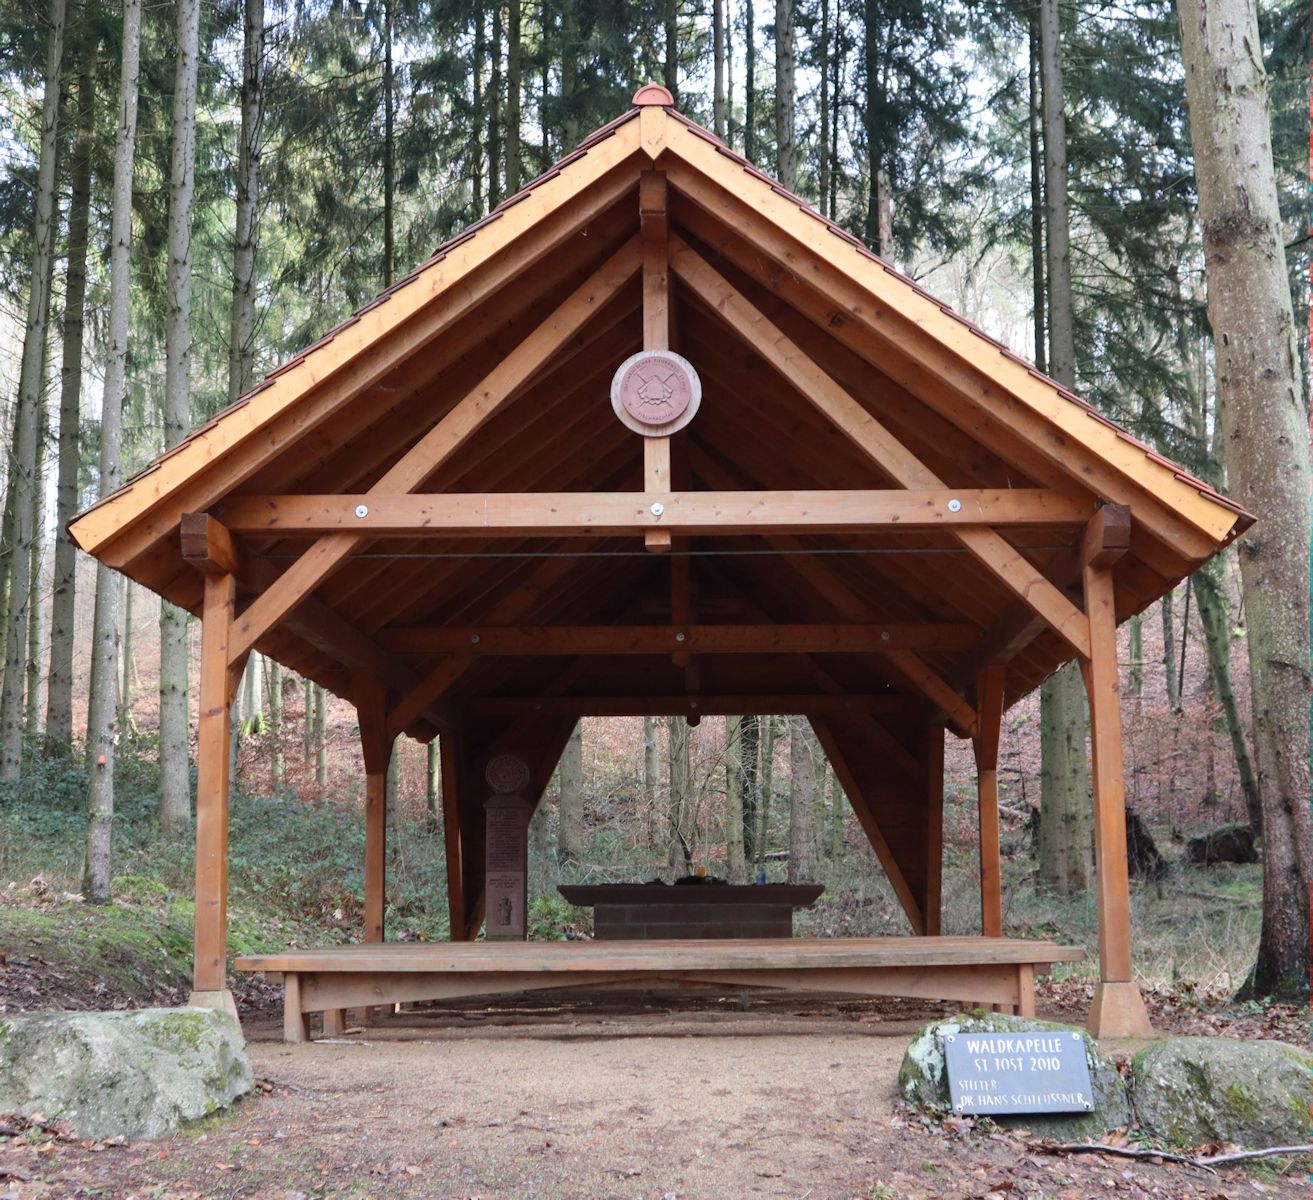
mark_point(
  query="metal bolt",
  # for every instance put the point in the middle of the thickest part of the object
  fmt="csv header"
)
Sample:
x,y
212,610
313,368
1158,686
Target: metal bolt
x,y
884,635
658,509
955,506
948,1037
474,639
362,510
1076,1036
679,637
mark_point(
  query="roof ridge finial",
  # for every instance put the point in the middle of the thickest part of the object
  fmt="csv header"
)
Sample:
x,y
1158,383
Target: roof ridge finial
x,y
655,95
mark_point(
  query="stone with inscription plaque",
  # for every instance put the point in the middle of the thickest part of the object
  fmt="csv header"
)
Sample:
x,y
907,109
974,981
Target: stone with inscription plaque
x,y
1038,1071
506,849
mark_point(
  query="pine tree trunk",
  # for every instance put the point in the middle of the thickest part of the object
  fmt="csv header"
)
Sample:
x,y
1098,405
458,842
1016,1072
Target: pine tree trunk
x,y
241,341
1038,273
278,765
22,466
59,686
734,800
321,737
718,67
307,724
823,52
671,65
433,783
1265,439
571,837
749,83
32,713
1136,680
836,817
651,777
1066,819
514,95
786,95
175,769
749,753
104,645
1213,618
802,803
389,152
681,849
494,111
1167,609
770,731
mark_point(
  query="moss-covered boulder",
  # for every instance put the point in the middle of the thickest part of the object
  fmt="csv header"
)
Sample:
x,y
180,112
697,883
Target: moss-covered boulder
x,y
130,1074
1191,1091
923,1077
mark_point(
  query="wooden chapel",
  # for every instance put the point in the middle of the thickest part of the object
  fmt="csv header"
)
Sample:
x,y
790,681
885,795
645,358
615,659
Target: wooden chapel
x,y
468,512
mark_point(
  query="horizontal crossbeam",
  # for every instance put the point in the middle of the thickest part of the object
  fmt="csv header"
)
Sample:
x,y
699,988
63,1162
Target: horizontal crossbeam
x,y
589,514
746,704
666,639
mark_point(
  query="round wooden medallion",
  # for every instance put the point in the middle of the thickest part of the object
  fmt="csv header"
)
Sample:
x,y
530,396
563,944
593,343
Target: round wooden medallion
x,y
507,774
656,392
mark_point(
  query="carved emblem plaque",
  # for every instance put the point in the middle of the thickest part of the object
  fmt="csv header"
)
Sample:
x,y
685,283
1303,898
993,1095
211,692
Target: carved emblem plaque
x,y
507,774
656,392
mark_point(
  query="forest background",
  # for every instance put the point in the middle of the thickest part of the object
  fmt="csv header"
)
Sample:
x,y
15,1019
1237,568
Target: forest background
x,y
192,193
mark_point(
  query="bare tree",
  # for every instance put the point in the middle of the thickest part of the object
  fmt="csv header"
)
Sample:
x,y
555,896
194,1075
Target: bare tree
x,y
786,94
1265,440
1067,818
105,634
22,467
570,837
175,773
680,775
802,801
59,686
734,800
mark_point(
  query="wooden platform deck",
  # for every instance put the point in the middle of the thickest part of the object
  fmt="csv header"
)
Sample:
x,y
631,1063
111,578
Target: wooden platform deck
x,y
975,970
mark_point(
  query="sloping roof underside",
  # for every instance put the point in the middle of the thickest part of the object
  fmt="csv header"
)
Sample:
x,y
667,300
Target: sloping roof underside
x,y
334,419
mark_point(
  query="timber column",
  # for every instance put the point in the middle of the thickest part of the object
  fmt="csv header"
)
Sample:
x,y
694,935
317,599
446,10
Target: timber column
x,y
1118,1008
218,683
506,852
989,727
376,746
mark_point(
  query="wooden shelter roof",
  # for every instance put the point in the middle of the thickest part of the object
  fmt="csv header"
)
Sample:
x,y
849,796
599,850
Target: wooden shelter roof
x,y
500,559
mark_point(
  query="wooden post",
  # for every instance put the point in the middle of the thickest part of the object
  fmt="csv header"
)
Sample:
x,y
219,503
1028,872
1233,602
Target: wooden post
x,y
656,326
371,712
1118,1009
989,709
934,802
217,684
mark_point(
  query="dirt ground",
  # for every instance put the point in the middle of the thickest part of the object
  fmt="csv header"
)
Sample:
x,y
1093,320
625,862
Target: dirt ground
x,y
653,1097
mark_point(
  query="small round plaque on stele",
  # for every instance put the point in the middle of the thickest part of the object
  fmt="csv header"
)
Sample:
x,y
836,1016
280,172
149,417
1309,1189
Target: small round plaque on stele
x,y
656,392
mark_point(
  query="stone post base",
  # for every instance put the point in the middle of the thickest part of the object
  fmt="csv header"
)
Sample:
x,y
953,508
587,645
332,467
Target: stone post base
x,y
223,1001
1118,1011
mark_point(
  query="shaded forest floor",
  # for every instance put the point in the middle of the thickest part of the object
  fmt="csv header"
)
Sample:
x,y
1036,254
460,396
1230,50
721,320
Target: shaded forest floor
x,y
650,1096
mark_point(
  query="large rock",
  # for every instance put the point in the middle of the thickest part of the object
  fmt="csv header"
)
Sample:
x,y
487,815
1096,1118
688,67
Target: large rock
x,y
923,1078
131,1074
1191,1091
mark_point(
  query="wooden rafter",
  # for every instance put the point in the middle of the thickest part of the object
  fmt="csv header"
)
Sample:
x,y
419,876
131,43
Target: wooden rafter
x,y
428,454
848,415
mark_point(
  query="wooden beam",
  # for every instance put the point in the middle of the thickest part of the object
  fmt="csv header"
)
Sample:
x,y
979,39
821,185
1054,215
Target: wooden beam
x,y
1107,537
449,763
440,442
667,639
710,705
885,450
989,708
848,779
209,547
592,514
933,785
1118,1009
928,682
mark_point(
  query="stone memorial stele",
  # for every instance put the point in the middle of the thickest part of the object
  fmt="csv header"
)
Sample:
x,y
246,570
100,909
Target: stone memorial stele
x,y
507,851
1034,1071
